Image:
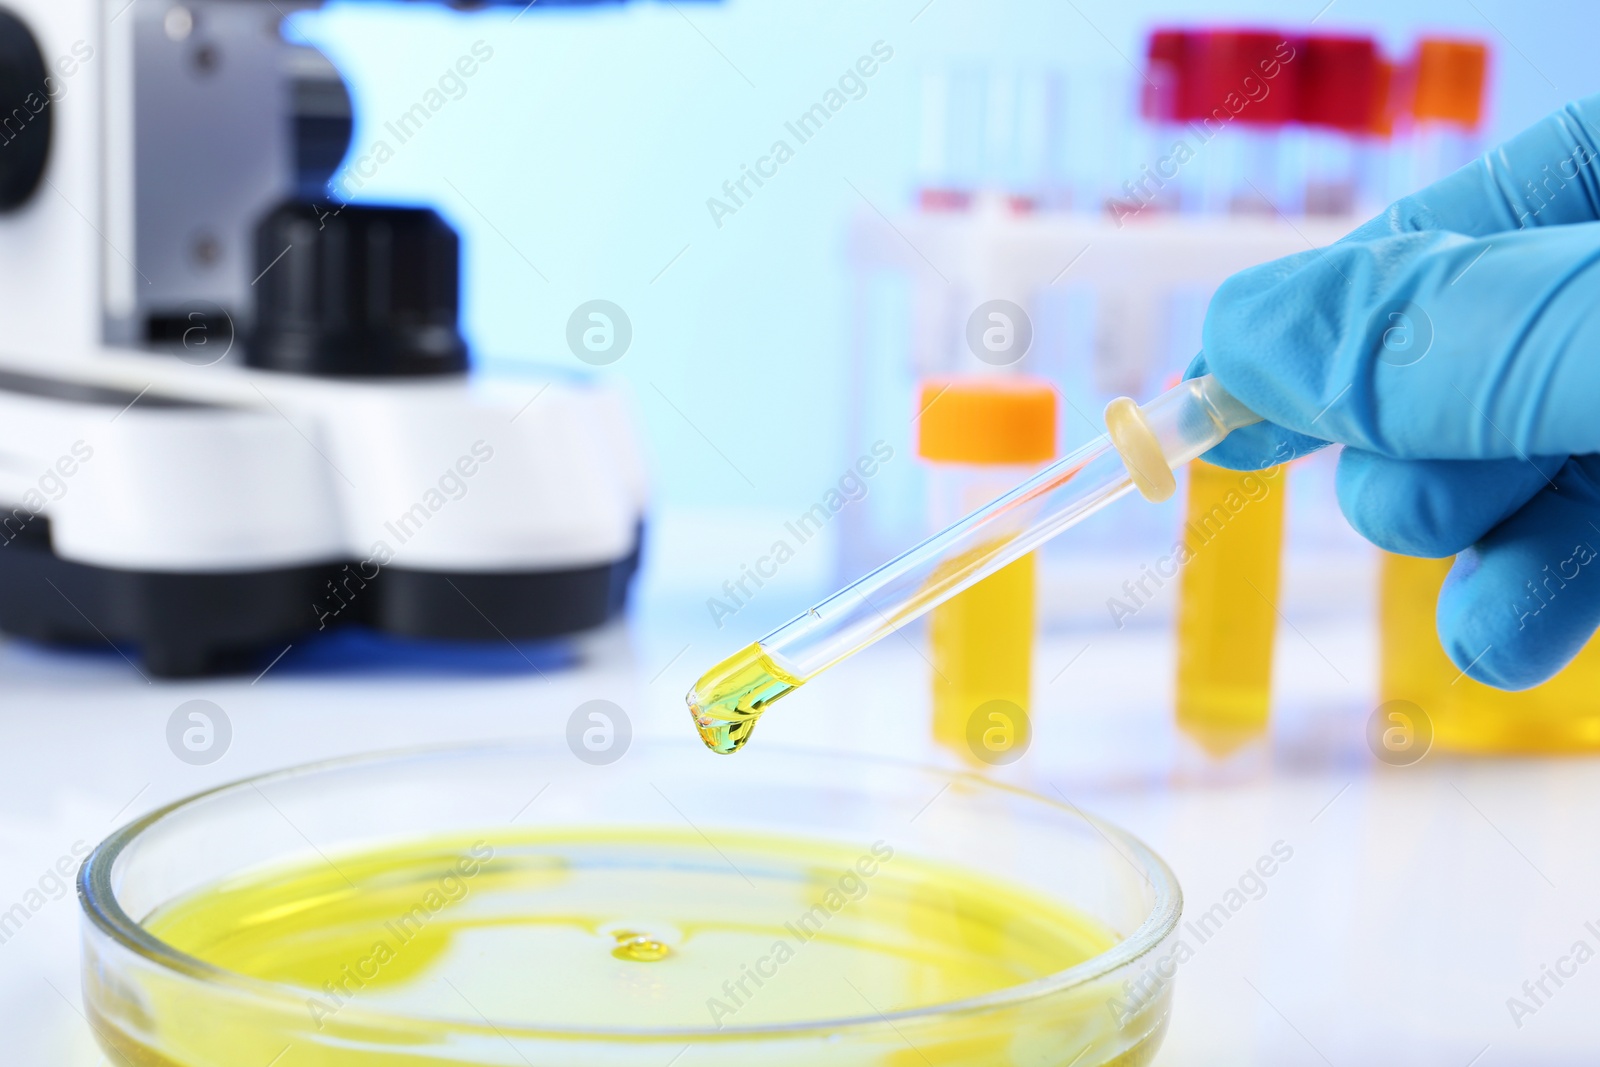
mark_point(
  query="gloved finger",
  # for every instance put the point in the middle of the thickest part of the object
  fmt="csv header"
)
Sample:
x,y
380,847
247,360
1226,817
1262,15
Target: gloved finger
x,y
1257,447
1544,176
1522,602
1422,345
1435,507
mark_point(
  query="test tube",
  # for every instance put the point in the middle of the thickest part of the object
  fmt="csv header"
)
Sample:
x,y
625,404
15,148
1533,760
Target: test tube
x,y
1091,158
1448,81
1560,716
951,138
1381,176
1058,136
980,437
1336,101
1412,665
1227,606
1238,91
1002,165
1160,99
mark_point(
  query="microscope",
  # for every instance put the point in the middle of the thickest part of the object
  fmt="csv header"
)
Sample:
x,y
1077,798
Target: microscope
x,y
235,403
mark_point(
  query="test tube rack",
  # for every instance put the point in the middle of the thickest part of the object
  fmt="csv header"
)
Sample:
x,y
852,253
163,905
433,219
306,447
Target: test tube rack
x,y
950,265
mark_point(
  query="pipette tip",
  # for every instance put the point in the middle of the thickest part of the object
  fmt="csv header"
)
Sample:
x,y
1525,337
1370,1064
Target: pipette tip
x,y
728,699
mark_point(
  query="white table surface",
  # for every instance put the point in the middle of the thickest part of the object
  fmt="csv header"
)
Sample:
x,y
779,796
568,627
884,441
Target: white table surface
x,y
1416,902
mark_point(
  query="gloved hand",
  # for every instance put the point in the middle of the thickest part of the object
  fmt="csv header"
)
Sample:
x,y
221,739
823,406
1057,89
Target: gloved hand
x,y
1452,345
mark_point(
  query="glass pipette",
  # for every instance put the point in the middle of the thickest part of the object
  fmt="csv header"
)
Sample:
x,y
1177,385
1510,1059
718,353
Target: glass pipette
x,y
1140,449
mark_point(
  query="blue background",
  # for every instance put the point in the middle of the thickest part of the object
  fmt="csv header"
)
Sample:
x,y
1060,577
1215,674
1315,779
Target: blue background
x,y
578,165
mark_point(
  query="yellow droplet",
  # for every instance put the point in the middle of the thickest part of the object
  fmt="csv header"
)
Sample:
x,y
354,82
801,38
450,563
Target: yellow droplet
x,y
640,948
728,699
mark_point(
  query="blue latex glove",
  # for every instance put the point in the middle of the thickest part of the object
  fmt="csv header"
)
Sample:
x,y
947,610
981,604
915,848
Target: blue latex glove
x,y
1452,345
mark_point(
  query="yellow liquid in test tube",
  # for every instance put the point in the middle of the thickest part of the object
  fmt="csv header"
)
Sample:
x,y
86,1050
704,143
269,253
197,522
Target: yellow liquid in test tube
x,y
1562,715
980,436
1227,608
1412,665
982,650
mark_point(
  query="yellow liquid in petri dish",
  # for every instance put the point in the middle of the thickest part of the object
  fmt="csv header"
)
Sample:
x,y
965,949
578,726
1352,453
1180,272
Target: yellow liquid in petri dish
x,y
623,929
728,700
1227,617
982,643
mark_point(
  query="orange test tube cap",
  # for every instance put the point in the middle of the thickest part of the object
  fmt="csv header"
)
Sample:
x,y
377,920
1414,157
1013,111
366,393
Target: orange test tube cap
x,y
986,420
1450,78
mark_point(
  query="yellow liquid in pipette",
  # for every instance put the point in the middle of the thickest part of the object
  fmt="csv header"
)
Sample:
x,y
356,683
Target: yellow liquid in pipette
x,y
745,930
728,700
1227,617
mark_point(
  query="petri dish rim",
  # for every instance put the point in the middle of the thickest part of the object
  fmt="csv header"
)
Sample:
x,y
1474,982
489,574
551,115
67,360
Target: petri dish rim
x,y
98,901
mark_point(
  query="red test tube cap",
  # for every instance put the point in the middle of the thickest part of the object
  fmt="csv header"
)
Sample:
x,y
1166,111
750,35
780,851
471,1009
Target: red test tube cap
x,y
1245,75
1339,83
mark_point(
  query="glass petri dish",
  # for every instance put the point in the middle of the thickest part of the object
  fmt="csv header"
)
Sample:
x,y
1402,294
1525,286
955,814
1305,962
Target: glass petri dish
x,y
647,898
